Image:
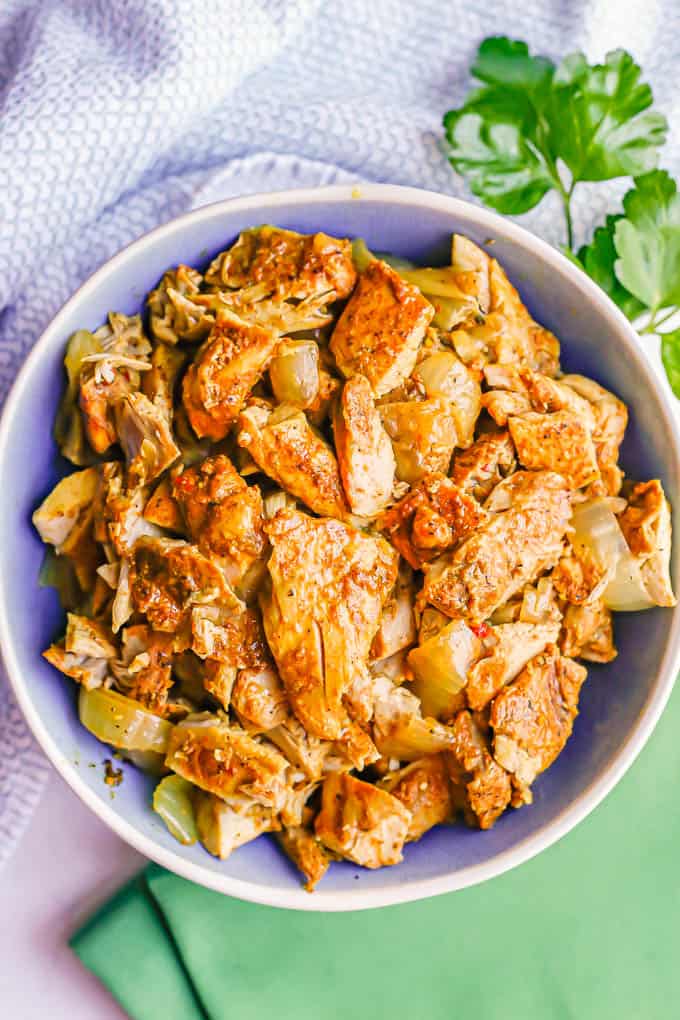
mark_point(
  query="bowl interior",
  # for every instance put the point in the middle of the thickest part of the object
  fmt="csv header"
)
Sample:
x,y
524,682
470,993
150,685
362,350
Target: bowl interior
x,y
613,699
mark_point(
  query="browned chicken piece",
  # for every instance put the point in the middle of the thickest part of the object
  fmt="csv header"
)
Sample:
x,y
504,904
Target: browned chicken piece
x,y
329,583
223,514
160,382
506,552
361,822
549,395
588,633
502,405
522,341
218,680
434,516
610,420
225,825
306,852
555,442
146,438
532,717
99,395
285,447
381,329
646,525
162,509
144,672
85,652
118,511
507,649
579,577
259,700
423,434
229,633
223,372
364,450
172,315
286,264
167,576
482,787
225,760
478,469
397,628
307,752
89,671
424,788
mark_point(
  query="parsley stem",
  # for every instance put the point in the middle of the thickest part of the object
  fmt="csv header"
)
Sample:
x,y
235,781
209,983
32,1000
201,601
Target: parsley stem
x,y
566,205
654,322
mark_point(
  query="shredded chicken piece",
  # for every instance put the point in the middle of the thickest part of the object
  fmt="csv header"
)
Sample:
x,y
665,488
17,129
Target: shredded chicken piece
x,y
144,672
556,442
482,787
532,717
381,329
223,372
225,760
286,447
329,583
362,822
424,788
306,852
646,525
285,264
365,456
225,824
435,516
508,648
479,468
145,436
223,515
509,550
259,700
588,633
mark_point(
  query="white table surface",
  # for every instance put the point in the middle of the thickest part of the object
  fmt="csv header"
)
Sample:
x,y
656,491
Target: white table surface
x,y
67,863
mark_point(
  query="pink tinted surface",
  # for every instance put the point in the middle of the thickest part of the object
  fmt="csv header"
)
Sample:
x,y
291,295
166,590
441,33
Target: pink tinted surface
x,y
66,864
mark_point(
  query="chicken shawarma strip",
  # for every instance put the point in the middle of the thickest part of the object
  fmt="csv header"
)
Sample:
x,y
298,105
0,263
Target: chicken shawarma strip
x,y
588,633
361,822
168,576
532,717
507,649
223,372
226,824
424,788
285,447
223,514
556,442
508,551
433,517
610,418
484,464
306,851
646,525
381,329
329,583
225,760
285,264
365,456
482,787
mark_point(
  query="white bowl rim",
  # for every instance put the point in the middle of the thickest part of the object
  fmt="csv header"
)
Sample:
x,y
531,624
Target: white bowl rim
x,y
588,799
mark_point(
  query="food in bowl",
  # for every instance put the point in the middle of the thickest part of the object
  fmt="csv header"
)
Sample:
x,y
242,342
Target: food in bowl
x,y
341,538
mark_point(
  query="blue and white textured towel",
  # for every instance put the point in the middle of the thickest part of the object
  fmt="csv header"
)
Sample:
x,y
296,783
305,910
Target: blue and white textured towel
x,y
116,115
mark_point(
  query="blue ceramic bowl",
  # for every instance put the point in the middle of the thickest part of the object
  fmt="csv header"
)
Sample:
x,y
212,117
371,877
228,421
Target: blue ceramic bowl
x,y
609,732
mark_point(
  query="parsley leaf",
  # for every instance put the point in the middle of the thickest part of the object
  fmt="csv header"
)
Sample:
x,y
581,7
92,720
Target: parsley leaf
x,y
601,125
598,258
532,127
670,355
647,241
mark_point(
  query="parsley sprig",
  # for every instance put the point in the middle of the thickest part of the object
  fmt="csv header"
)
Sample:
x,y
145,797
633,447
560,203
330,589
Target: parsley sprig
x,y
531,127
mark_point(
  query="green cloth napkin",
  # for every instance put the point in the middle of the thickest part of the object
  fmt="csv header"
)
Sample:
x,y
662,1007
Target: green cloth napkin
x,y
589,930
